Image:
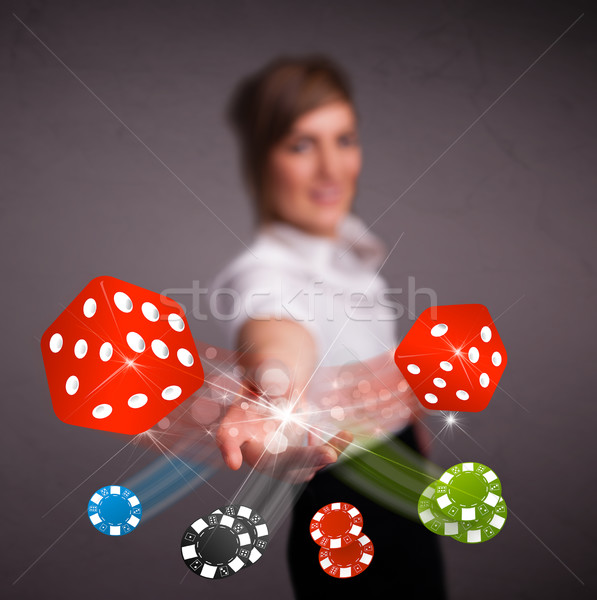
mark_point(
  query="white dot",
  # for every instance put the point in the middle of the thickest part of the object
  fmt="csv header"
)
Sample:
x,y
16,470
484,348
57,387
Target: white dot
x,y
346,378
89,307
386,413
56,342
176,322
276,442
185,357
439,382
159,349
337,413
364,386
485,334
272,381
496,359
72,385
171,392
462,395
80,348
106,351
439,330
150,312
484,380
123,302
404,411
137,400
445,365
431,398
135,341
473,354
414,369
101,411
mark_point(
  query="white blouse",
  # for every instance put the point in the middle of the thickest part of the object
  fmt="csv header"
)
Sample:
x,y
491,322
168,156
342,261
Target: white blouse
x,y
337,295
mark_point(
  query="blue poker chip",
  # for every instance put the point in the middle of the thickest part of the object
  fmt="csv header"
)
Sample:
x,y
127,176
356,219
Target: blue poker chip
x,y
114,510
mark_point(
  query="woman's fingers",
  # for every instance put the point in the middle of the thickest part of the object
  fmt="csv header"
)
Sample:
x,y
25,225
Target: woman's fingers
x,y
231,435
231,452
340,442
241,438
229,447
296,463
293,458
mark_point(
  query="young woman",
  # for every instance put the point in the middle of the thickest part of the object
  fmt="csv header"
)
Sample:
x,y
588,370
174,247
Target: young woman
x,y
301,157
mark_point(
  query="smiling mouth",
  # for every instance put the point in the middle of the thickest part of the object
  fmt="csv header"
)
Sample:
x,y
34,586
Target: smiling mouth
x,y
327,195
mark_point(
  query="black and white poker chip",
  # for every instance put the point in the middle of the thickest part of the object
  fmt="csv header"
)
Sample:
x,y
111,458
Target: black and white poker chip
x,y
255,524
216,546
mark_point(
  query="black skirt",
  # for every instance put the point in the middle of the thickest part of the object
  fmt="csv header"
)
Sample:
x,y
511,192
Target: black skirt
x,y
407,556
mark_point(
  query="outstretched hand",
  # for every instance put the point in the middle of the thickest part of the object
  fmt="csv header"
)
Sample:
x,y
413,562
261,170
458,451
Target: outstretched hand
x,y
271,443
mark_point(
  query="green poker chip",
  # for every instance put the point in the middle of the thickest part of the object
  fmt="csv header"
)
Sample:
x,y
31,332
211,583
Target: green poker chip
x,y
473,532
470,492
432,517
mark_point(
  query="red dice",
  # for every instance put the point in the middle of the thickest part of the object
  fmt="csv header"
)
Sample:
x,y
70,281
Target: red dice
x,y
455,362
119,358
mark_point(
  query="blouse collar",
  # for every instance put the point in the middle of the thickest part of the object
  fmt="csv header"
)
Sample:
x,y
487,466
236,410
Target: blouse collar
x,y
354,239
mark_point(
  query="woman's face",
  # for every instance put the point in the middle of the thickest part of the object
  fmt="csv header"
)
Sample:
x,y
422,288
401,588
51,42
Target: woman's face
x,y
311,175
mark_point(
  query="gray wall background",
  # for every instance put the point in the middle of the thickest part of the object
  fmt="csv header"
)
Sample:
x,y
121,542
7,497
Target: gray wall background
x,y
502,212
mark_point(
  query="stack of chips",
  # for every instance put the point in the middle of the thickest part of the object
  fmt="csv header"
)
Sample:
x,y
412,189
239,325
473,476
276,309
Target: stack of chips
x,y
466,504
345,550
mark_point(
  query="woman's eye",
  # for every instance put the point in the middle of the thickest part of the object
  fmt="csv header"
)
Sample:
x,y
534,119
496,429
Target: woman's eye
x,y
348,140
300,146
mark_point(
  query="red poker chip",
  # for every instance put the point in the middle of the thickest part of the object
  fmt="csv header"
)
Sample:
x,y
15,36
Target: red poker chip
x,y
348,561
336,525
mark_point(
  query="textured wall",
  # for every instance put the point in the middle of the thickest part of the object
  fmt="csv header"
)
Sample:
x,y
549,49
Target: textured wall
x,y
479,128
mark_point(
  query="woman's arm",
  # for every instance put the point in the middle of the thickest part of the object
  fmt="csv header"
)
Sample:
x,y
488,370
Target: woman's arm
x,y
241,434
